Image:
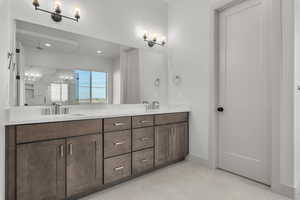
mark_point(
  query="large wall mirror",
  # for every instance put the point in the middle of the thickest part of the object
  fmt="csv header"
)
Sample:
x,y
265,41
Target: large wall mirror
x,y
55,66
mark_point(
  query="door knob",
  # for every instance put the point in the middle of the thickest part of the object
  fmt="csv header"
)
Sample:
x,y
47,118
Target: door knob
x,y
220,109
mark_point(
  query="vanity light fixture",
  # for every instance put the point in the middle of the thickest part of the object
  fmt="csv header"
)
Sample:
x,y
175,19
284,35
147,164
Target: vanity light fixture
x,y
154,40
56,14
48,45
31,76
99,52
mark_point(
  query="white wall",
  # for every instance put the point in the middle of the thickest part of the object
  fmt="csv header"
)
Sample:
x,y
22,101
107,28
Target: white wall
x,y
4,74
287,135
188,43
153,65
130,77
297,95
116,81
113,20
189,47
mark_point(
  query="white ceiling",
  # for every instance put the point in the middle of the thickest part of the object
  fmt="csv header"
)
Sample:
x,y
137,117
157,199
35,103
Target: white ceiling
x,y
33,35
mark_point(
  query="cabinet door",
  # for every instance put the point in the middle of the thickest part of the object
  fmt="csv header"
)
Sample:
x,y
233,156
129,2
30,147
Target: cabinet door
x,y
179,141
84,163
162,144
41,170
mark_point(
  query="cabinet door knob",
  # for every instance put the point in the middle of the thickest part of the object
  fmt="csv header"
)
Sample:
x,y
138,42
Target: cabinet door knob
x,y
220,109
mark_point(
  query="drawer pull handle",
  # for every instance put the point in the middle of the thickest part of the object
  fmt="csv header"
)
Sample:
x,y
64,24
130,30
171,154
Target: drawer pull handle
x,y
119,143
119,168
145,139
144,160
119,124
71,149
145,121
61,149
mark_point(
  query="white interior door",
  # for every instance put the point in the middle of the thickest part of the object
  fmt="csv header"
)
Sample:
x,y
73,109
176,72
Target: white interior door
x,y
245,91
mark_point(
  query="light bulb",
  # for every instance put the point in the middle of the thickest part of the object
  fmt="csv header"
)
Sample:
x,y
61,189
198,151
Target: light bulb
x,y
35,3
154,37
77,13
145,35
57,6
163,40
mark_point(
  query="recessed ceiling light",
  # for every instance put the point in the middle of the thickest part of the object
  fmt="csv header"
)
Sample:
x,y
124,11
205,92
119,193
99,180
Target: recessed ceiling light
x,y
48,45
99,52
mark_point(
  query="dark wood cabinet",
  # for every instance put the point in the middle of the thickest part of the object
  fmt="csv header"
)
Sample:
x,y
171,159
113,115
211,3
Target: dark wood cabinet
x,y
117,168
84,164
41,170
162,144
68,160
142,138
142,161
179,141
170,143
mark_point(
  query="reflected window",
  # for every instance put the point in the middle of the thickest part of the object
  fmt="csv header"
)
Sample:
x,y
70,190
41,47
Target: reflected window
x,y
91,87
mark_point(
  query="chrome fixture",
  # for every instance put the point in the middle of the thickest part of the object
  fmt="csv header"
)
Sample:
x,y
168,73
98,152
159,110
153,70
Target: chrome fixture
x,y
154,40
56,14
151,106
147,104
155,105
56,109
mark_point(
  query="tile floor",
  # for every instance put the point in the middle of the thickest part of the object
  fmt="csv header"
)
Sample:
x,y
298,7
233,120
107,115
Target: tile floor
x,y
187,181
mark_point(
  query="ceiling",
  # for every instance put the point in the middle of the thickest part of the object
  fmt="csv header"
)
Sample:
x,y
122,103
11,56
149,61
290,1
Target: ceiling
x,y
33,35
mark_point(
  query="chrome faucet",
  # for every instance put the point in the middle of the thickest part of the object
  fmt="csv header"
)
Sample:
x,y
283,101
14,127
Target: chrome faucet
x,y
56,108
147,104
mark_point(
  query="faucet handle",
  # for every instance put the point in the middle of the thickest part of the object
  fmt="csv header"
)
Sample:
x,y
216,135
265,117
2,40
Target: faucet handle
x,y
65,110
46,111
155,104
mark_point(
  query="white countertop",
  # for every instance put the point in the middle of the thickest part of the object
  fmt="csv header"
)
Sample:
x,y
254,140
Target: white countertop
x,y
18,116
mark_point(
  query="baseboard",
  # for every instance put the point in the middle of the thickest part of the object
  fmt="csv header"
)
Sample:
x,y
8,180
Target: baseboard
x,y
198,160
285,190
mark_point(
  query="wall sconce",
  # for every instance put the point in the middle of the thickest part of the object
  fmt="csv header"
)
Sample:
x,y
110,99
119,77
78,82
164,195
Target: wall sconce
x,y
154,40
56,15
31,76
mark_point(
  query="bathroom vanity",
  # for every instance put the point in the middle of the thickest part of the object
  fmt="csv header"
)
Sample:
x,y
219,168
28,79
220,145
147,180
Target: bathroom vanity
x,y
70,159
86,115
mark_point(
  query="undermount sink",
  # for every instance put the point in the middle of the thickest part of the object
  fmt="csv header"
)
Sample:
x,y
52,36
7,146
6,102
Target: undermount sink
x,y
77,114
66,115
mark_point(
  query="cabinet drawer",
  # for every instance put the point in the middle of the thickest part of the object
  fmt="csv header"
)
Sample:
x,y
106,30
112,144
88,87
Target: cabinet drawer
x,y
116,143
142,138
117,124
46,131
117,168
142,121
142,161
170,118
